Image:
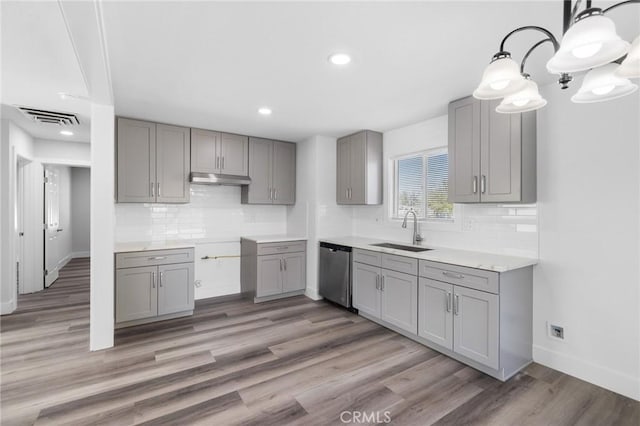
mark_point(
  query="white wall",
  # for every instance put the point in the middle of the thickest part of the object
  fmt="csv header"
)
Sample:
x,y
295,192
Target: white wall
x,y
80,211
214,220
14,143
588,277
63,152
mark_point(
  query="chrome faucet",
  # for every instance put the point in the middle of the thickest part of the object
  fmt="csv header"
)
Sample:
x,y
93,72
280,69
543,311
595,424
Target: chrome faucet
x,y
417,238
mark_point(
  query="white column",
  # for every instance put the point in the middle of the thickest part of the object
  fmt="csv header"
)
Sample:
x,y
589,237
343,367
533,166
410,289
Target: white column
x,y
102,226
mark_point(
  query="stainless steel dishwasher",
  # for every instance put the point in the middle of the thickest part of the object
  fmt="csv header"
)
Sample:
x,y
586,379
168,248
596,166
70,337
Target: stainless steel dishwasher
x,y
335,274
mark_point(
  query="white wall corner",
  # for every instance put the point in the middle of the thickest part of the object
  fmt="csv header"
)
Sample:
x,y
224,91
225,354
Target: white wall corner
x,y
312,294
7,307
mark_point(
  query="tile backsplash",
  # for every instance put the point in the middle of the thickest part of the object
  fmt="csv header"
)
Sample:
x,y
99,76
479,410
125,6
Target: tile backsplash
x,y
213,215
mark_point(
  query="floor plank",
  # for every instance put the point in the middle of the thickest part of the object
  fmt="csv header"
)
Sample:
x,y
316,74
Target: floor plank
x,y
293,361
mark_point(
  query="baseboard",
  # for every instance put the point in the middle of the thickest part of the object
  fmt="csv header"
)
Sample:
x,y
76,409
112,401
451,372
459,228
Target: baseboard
x,y
64,261
599,375
312,294
7,307
76,254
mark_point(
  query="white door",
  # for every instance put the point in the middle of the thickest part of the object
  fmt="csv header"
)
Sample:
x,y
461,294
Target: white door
x,y
51,222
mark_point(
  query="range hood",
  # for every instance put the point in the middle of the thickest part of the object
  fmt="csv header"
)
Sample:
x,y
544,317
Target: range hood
x,y
218,179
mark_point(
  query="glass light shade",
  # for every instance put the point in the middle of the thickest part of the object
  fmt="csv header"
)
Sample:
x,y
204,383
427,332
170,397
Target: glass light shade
x,y
528,99
601,84
501,78
588,43
630,67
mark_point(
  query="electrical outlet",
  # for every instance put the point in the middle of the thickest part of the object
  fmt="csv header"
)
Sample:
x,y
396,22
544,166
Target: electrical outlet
x,y
556,331
198,283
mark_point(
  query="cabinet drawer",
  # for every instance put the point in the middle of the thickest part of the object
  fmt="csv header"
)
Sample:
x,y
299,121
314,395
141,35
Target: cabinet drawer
x,y
403,264
276,248
153,257
459,275
368,257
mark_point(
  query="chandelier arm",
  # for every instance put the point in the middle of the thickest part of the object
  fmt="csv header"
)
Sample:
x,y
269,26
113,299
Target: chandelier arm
x,y
548,33
526,55
620,4
574,12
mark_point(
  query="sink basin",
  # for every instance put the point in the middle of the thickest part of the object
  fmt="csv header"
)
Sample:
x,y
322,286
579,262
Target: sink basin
x,y
401,247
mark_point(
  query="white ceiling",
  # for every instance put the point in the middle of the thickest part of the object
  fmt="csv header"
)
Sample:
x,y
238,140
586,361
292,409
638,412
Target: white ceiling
x,y
213,64
38,61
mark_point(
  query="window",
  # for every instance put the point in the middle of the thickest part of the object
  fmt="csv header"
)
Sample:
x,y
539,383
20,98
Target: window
x,y
421,184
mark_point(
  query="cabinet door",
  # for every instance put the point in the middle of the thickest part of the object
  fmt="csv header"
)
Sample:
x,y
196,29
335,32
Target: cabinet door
x,y
136,161
358,167
234,155
284,173
501,154
475,325
175,288
294,273
464,151
400,300
366,295
204,155
435,316
136,293
343,170
260,161
173,146
269,275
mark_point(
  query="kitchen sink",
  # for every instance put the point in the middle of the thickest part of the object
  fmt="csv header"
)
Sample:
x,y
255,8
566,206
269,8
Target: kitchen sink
x,y
401,247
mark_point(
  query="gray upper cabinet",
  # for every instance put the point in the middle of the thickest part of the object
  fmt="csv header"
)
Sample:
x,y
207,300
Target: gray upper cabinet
x,y
152,162
215,152
359,168
136,161
272,169
492,156
173,146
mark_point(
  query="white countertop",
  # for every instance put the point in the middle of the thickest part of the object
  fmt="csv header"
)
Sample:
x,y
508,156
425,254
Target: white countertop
x,y
152,245
278,238
471,259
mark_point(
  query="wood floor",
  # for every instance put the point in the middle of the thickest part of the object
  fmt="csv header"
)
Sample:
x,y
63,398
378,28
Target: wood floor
x,y
292,361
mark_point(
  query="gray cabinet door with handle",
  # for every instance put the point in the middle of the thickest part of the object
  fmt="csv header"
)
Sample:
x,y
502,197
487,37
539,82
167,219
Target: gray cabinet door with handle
x,y
435,312
136,161
173,147
136,293
175,288
284,173
260,191
475,324
269,278
343,172
399,303
205,157
358,166
366,289
294,273
464,150
234,154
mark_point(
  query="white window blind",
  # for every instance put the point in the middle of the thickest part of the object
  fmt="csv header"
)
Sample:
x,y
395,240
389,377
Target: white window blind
x,y
421,184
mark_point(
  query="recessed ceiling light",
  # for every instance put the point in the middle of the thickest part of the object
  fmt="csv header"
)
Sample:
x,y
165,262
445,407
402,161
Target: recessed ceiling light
x,y
340,59
264,111
66,132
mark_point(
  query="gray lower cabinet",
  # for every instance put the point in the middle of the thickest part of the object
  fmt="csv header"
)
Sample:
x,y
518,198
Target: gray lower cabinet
x,y
272,270
149,287
152,162
435,307
492,156
217,152
359,168
366,289
272,169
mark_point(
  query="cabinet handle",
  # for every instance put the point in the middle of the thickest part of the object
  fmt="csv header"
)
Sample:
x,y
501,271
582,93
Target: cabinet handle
x,y
280,264
275,193
222,163
483,184
377,282
153,283
448,301
157,258
217,162
382,282
159,190
452,275
350,193
456,305
161,276
475,184
152,185
285,264
346,193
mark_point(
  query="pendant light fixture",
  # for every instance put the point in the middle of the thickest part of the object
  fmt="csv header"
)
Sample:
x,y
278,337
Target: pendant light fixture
x,y
590,42
630,67
601,84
